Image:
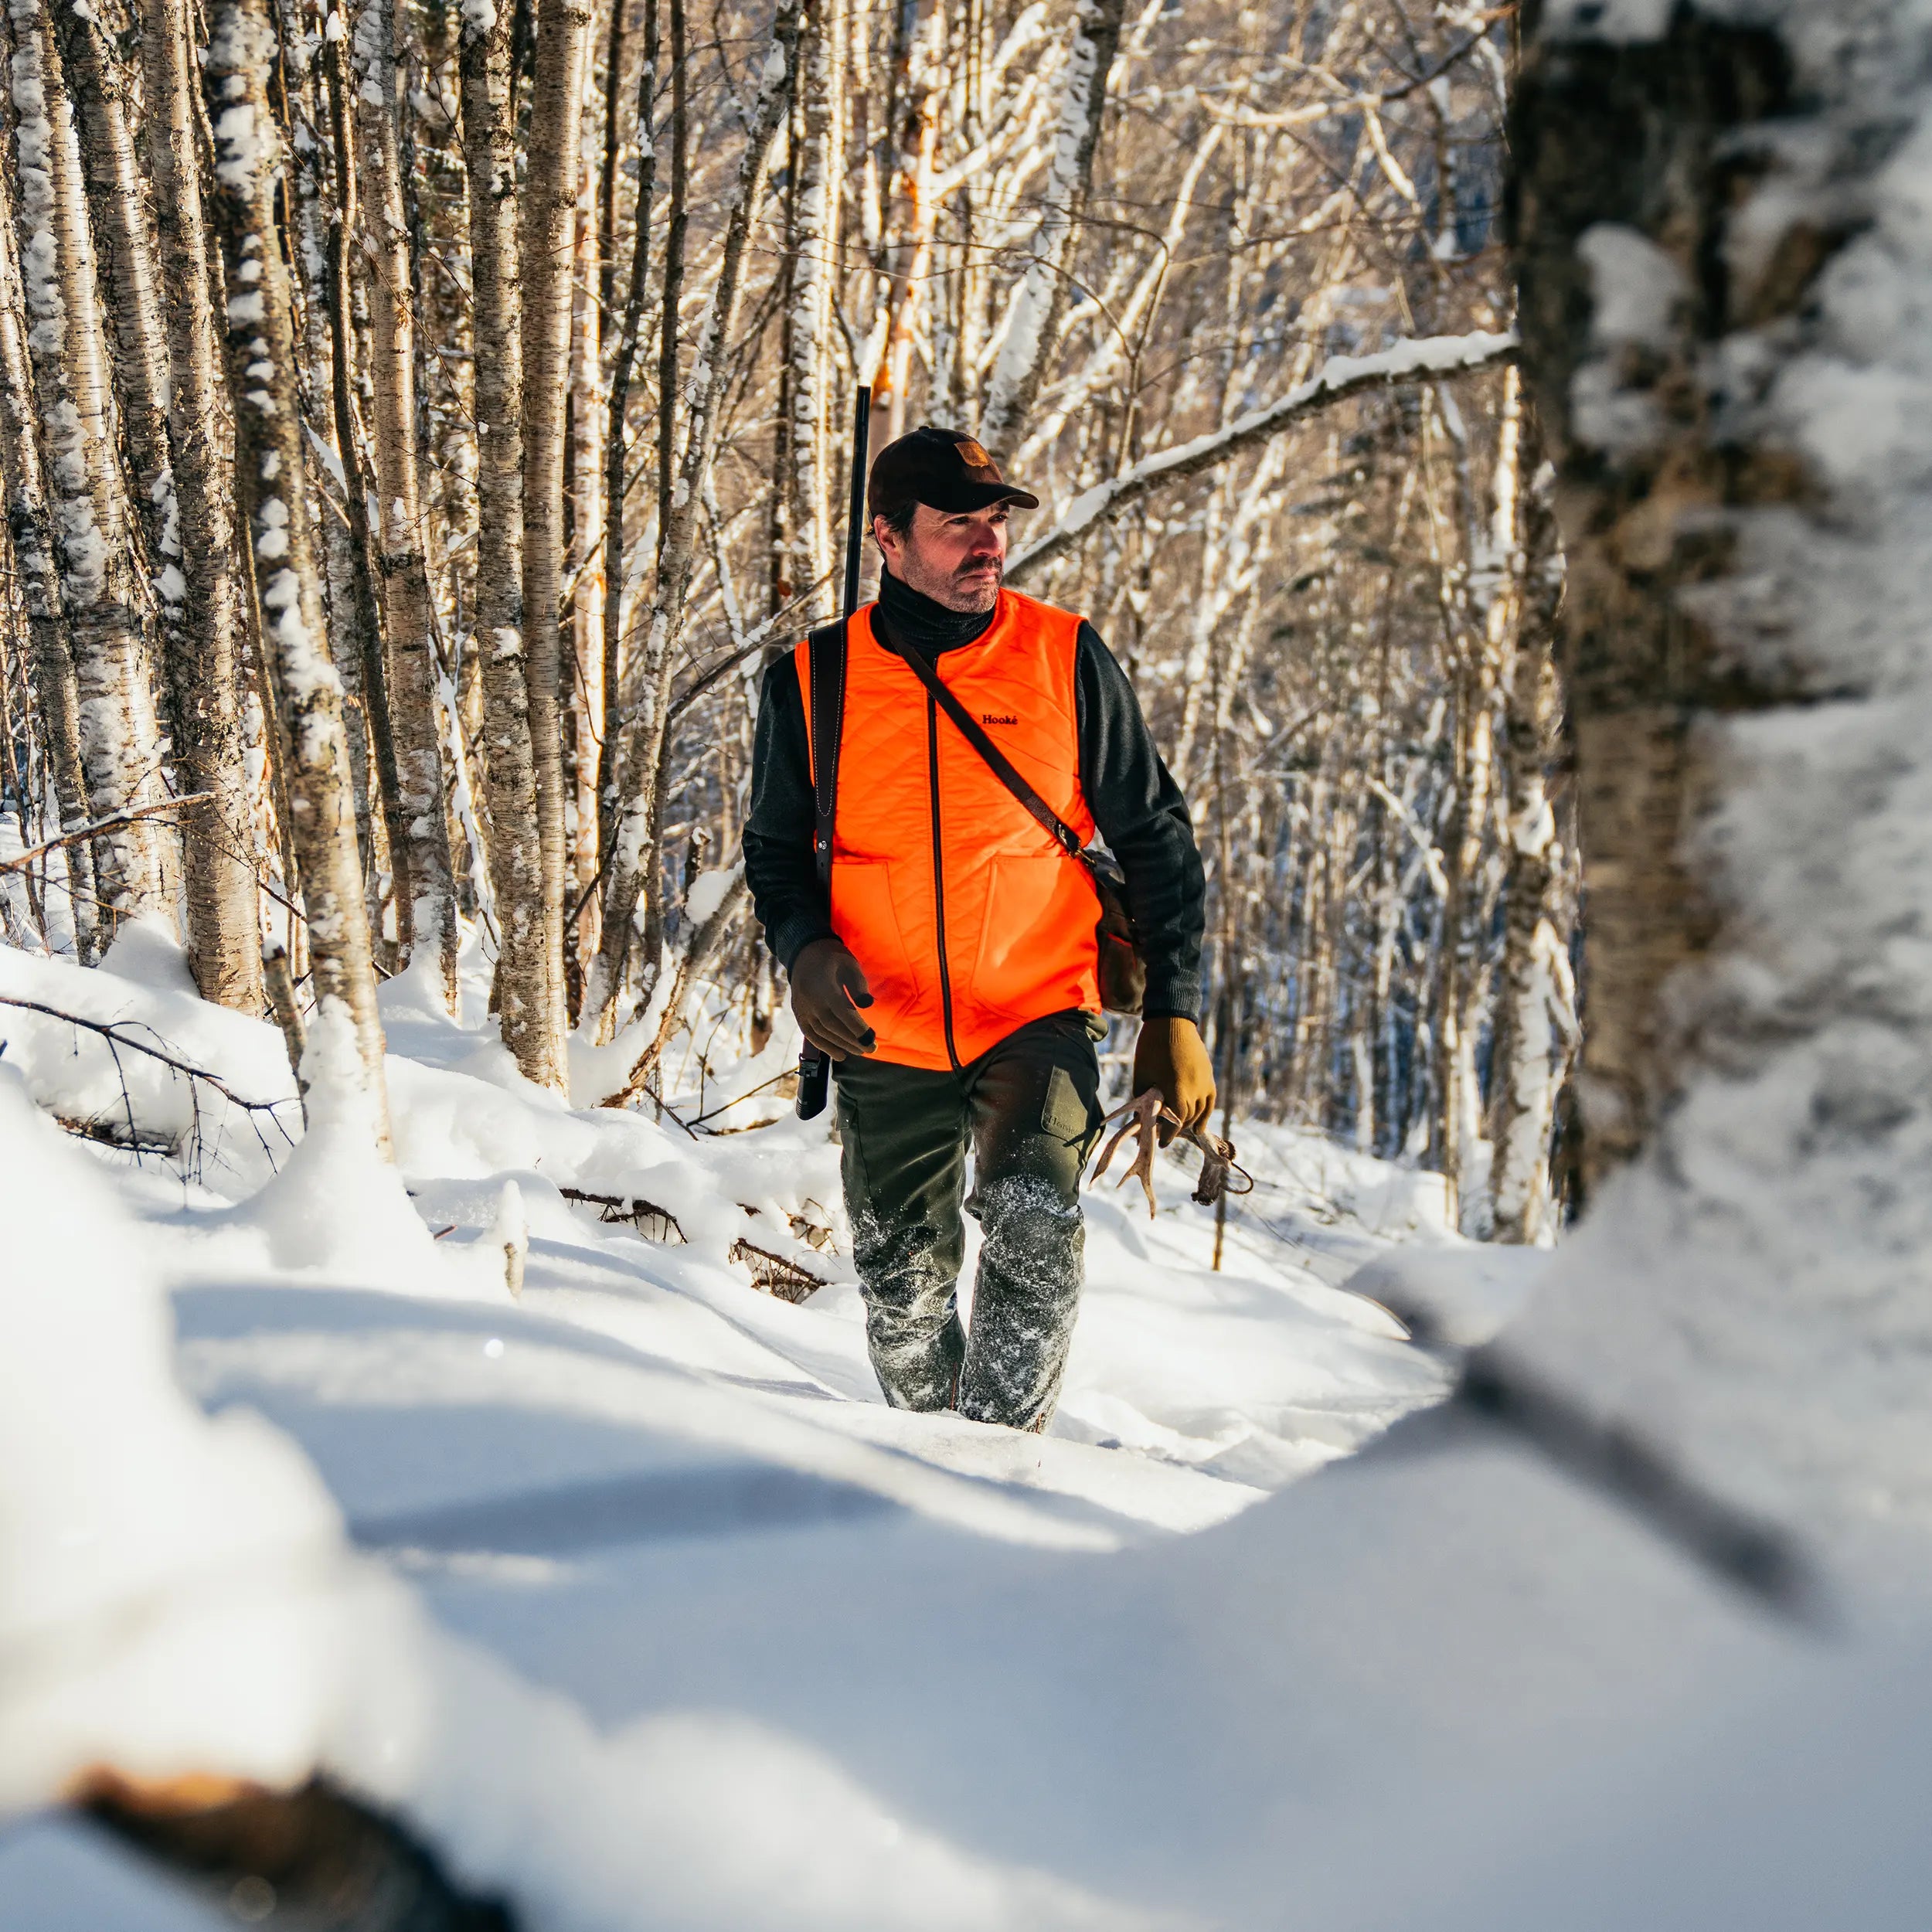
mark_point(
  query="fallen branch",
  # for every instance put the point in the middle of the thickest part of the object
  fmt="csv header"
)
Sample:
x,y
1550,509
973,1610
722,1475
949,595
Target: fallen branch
x,y
776,1274
1429,357
615,1208
316,1855
115,821
110,1030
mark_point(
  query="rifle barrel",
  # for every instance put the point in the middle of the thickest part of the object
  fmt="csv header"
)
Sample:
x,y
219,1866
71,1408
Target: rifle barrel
x,y
814,1069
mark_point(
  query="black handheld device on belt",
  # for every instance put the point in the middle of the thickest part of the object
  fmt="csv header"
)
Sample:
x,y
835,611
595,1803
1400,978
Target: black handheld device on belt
x,y
825,704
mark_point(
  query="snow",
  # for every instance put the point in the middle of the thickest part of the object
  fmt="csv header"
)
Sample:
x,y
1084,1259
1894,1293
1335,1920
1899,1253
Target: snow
x,y
707,893
1634,286
243,148
649,1381
165,1596
631,1596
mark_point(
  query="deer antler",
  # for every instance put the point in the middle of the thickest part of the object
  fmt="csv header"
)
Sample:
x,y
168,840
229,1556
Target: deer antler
x,y
1139,1116
1142,1116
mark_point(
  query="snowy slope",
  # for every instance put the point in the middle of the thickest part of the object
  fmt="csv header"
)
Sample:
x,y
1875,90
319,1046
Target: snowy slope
x,y
542,1467
660,1619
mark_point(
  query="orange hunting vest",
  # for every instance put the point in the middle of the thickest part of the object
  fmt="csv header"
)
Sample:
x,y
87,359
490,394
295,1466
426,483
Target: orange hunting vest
x,y
968,917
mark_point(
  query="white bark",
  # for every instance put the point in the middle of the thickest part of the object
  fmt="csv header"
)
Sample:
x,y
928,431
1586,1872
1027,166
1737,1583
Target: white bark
x,y
1033,324
120,741
635,853
270,455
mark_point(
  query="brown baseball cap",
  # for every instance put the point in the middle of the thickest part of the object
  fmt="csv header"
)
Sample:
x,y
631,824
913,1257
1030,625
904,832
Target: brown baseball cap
x,y
945,469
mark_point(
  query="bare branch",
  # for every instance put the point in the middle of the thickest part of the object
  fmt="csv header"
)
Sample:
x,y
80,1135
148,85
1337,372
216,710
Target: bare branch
x,y
114,821
1427,359
111,1031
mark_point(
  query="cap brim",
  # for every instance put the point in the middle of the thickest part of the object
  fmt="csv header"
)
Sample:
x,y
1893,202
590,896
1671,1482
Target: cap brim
x,y
978,496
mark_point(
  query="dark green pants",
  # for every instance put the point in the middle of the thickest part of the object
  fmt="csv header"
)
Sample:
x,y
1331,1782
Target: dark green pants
x,y
1030,1110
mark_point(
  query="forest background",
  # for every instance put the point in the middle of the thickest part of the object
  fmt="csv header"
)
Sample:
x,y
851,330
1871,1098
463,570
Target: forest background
x,y
421,425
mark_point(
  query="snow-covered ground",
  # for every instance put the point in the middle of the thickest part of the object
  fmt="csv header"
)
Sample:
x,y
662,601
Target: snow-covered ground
x,y
633,1597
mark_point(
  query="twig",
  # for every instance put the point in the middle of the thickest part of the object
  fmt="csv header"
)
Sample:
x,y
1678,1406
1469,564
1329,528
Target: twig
x,y
109,1030
115,821
776,1275
615,1208
750,1093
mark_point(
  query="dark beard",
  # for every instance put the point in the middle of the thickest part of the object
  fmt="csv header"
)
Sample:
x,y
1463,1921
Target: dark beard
x,y
978,599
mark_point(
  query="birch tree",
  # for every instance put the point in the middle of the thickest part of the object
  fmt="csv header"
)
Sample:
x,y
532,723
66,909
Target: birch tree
x,y
812,247
203,644
1034,324
425,886
119,742
56,696
547,251
530,1014
345,1033
1719,232
634,855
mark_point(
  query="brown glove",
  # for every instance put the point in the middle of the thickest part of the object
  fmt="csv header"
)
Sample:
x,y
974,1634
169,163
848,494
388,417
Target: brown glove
x,y
827,987
1170,1054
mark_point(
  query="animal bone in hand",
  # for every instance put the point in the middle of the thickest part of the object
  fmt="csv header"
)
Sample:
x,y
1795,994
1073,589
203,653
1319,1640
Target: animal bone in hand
x,y
1139,1116
1142,1116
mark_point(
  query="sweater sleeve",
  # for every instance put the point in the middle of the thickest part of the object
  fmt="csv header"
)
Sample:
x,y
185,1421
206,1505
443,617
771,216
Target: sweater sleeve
x,y
790,904
1142,816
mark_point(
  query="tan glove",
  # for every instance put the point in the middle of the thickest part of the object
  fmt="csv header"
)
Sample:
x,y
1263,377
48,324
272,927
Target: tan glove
x,y
1171,1055
827,989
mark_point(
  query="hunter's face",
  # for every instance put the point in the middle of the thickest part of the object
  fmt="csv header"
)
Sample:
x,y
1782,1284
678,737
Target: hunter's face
x,y
957,561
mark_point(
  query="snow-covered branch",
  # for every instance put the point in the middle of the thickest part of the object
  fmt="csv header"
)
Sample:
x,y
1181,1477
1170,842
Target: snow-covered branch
x,y
1424,359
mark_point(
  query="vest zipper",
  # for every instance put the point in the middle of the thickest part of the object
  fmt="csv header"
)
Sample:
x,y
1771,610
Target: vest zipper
x,y
939,878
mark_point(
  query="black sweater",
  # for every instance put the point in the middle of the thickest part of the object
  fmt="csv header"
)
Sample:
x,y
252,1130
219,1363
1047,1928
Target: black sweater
x,y
1135,803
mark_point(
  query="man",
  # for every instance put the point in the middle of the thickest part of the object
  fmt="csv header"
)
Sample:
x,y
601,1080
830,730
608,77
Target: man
x,y
951,974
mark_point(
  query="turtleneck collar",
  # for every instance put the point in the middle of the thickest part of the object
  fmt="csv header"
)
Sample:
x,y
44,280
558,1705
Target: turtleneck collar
x,y
913,618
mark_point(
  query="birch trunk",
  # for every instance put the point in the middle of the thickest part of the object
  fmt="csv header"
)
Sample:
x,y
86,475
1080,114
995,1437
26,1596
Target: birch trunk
x,y
635,853
1035,320
677,220
586,543
365,633
527,1014
915,213
411,662
56,697
1536,1031
130,299
260,353
119,745
546,241
202,647
1537,1028
616,465
317,208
